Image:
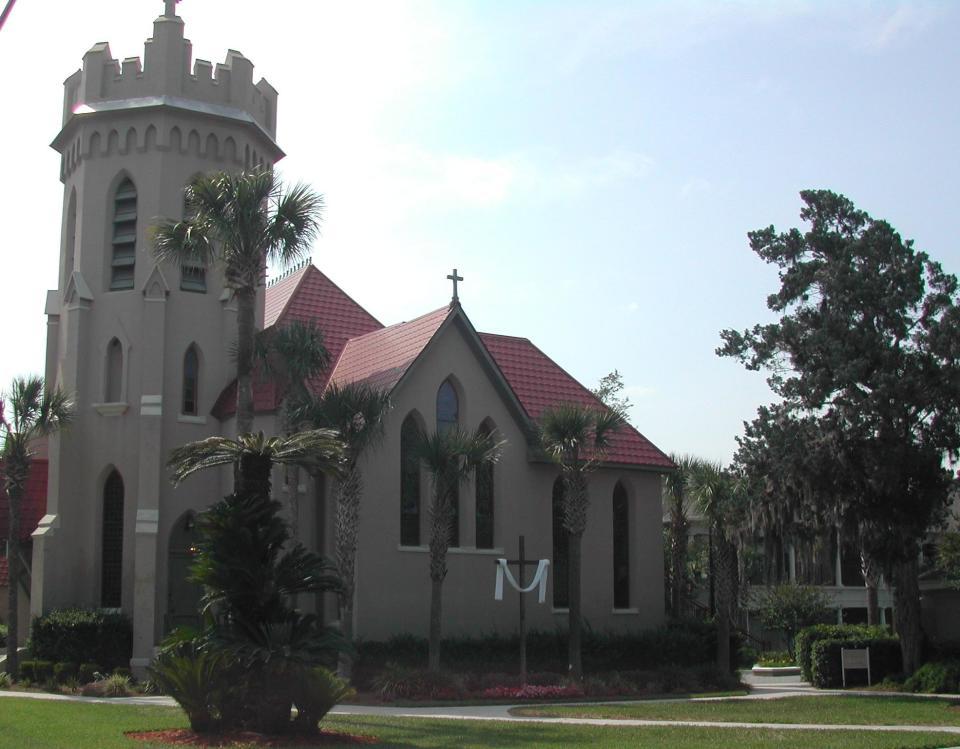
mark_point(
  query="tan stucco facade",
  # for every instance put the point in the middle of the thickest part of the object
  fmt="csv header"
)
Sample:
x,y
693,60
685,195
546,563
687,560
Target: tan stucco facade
x,y
158,125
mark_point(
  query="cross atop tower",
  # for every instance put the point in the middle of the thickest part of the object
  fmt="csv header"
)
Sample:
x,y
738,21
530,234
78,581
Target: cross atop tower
x,y
454,277
170,8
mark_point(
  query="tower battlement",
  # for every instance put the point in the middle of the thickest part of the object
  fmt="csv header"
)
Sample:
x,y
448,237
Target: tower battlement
x,y
166,71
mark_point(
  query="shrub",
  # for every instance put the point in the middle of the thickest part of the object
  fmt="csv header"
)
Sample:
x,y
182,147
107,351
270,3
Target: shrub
x,y
938,677
3,635
77,635
790,607
116,685
401,683
825,659
88,672
194,680
64,672
316,691
775,658
808,636
4,680
36,672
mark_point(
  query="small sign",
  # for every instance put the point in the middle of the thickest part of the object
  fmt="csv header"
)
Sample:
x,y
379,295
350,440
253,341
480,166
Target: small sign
x,y
854,659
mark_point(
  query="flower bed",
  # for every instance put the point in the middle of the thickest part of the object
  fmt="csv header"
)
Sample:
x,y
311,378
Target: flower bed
x,y
530,692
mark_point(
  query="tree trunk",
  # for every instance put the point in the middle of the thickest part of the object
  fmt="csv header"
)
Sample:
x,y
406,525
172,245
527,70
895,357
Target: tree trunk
x,y
906,600
724,561
14,494
870,583
678,558
345,544
575,655
246,299
436,610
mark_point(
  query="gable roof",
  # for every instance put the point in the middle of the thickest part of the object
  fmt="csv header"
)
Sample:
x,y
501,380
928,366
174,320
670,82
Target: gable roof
x,y
382,357
539,382
303,294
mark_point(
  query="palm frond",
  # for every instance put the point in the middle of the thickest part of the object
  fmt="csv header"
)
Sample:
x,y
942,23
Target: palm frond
x,y
355,410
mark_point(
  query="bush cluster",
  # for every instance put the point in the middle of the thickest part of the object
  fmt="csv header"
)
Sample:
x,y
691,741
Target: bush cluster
x,y
79,636
825,663
936,677
807,637
683,644
3,635
65,672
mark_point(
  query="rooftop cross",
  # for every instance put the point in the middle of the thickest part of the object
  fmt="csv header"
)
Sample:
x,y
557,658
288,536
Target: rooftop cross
x,y
454,277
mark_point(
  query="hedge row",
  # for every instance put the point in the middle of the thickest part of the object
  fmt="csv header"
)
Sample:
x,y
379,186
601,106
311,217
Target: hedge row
x,y
806,638
825,659
41,672
78,636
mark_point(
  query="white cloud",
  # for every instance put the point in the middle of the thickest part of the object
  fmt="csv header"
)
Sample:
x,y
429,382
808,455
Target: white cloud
x,y
695,186
904,22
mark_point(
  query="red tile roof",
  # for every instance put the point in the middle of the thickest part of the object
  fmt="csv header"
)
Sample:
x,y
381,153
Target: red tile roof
x,y
382,357
305,294
539,383
34,505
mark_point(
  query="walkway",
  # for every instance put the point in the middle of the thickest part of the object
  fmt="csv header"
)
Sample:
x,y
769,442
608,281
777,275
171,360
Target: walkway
x,y
761,688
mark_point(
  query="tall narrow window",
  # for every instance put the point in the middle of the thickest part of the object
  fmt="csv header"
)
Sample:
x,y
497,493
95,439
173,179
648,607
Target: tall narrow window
x,y
111,565
113,392
561,550
70,239
193,272
484,496
409,484
124,236
191,381
448,415
621,548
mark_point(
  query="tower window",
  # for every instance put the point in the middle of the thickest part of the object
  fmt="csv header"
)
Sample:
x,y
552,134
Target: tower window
x,y
113,392
111,566
124,236
191,381
193,273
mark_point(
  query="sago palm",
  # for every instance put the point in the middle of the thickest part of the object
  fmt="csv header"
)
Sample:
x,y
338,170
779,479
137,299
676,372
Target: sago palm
x,y
449,456
356,411
576,437
27,412
242,221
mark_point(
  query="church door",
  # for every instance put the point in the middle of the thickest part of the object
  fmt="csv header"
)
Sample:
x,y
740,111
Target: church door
x,y
183,596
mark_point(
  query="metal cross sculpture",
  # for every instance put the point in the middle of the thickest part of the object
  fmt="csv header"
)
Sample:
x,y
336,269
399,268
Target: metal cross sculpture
x,y
520,585
454,277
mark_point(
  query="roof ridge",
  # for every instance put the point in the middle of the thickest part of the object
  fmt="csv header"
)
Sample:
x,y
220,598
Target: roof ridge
x,y
293,292
402,322
340,289
504,335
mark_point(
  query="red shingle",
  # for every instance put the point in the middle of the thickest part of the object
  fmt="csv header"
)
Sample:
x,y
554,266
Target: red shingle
x,y
539,383
34,505
380,358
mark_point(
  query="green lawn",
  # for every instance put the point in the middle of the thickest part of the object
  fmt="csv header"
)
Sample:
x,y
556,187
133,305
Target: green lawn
x,y
825,710
34,724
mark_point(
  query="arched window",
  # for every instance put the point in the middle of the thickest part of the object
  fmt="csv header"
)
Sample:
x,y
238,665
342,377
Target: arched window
x,y
70,239
409,484
448,407
111,564
193,273
191,381
124,236
621,548
484,496
561,549
113,390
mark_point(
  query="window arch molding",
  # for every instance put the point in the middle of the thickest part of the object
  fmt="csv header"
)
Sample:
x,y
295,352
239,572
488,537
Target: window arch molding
x,y
113,393
122,232
112,501
410,481
450,403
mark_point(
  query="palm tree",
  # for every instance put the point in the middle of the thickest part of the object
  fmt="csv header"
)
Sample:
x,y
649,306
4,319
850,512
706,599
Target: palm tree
x,y
450,456
34,411
576,437
315,450
356,411
677,490
242,221
714,490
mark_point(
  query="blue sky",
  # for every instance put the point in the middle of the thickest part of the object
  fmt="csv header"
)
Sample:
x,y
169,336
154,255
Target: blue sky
x,y
591,168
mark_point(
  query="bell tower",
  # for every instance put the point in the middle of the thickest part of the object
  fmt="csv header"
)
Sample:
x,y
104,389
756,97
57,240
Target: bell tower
x,y
144,348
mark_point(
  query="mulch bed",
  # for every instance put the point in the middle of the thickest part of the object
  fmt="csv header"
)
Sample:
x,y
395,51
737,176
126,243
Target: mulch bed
x,y
186,737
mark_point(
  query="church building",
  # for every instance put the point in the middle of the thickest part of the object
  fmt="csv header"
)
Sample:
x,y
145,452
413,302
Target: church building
x,y
145,349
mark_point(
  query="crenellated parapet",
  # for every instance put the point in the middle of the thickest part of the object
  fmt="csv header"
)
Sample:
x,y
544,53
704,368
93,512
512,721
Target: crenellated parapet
x,y
166,72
